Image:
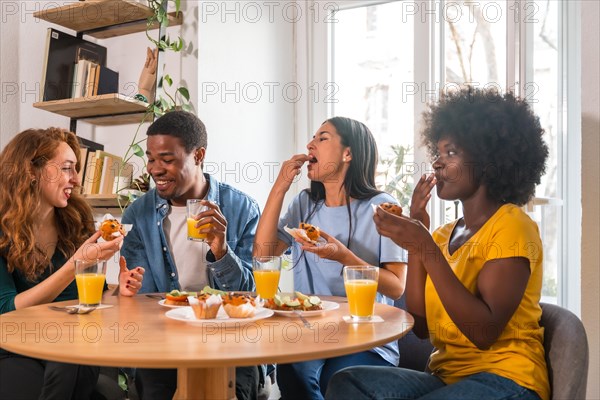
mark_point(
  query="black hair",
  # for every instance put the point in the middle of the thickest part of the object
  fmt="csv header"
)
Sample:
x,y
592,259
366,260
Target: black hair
x,y
183,125
500,134
359,181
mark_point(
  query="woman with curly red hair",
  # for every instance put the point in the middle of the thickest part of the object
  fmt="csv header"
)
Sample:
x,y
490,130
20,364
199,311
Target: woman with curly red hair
x,y
44,226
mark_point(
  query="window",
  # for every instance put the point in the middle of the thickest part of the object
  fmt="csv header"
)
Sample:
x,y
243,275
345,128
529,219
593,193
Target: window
x,y
387,59
372,56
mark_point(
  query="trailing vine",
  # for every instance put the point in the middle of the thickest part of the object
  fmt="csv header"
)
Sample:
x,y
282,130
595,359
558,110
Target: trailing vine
x,y
166,99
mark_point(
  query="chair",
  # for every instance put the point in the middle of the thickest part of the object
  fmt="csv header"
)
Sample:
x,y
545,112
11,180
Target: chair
x,y
567,355
565,343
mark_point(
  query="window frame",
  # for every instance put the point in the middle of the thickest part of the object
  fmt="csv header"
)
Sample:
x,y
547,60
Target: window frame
x,y
314,43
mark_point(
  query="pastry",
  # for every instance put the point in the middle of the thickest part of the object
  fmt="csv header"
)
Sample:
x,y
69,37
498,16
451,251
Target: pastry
x,y
177,298
239,305
111,229
312,231
392,208
206,306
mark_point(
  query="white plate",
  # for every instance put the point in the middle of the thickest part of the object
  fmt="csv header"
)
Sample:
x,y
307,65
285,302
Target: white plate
x,y
162,303
327,306
186,314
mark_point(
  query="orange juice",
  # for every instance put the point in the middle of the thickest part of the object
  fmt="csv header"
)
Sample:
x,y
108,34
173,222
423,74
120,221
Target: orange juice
x,y
89,287
266,282
193,232
361,296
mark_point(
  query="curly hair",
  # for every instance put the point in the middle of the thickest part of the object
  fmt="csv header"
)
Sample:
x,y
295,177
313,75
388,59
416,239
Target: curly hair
x,y
22,163
500,134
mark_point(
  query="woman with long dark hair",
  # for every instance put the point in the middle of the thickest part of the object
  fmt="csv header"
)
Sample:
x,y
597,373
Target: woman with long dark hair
x,y
342,158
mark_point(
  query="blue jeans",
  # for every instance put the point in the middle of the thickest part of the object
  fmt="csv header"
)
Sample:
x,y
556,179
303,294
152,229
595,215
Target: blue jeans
x,y
399,383
309,379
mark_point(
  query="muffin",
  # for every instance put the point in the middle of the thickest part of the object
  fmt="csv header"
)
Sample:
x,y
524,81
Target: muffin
x,y
239,305
392,208
205,306
111,229
312,231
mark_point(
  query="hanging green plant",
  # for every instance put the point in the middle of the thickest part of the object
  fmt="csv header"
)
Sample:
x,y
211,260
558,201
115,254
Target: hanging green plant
x,y
164,98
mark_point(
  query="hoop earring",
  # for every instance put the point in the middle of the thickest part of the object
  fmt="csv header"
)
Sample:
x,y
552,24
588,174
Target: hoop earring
x,y
33,182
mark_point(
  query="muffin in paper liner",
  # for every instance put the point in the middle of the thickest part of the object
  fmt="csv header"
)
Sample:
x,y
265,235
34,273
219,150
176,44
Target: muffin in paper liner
x,y
241,305
205,306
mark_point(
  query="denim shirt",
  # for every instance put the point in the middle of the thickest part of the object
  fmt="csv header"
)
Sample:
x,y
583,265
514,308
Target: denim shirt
x,y
146,245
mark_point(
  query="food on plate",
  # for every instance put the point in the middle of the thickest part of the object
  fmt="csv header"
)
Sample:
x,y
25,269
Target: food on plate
x,y
300,302
391,208
177,298
239,305
111,229
312,231
208,290
205,306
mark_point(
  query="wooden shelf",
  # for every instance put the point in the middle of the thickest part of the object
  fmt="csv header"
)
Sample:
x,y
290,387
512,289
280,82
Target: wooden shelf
x,y
104,18
106,200
106,109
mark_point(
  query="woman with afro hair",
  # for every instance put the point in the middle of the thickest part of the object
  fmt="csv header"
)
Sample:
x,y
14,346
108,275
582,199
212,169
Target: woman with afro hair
x,y
473,286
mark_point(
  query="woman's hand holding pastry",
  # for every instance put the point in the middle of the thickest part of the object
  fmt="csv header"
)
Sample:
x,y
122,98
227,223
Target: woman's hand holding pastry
x,y
420,198
332,250
130,281
289,170
92,250
408,233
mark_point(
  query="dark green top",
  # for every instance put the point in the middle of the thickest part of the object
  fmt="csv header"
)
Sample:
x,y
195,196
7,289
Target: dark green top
x,y
14,283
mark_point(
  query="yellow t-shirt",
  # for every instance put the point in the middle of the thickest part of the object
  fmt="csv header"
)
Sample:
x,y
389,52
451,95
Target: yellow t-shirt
x,y
518,354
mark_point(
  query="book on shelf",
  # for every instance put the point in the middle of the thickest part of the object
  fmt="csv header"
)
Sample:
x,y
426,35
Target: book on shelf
x,y
92,83
83,154
87,148
110,170
93,173
108,81
63,52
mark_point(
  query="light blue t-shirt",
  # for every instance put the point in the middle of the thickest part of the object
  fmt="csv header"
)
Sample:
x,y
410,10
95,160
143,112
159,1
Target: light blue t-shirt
x,y
320,276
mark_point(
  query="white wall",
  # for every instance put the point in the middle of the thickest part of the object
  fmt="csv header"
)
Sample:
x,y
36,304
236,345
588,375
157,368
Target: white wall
x,y
9,71
590,183
245,60
243,68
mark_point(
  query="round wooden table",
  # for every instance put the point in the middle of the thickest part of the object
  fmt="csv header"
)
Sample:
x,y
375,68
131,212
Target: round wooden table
x,y
136,333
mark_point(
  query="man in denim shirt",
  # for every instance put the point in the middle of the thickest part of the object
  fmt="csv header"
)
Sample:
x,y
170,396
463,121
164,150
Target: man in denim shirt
x,y
158,242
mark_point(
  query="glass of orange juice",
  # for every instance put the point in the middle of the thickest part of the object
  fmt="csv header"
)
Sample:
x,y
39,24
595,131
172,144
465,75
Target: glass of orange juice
x,y
266,271
194,208
361,288
90,276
